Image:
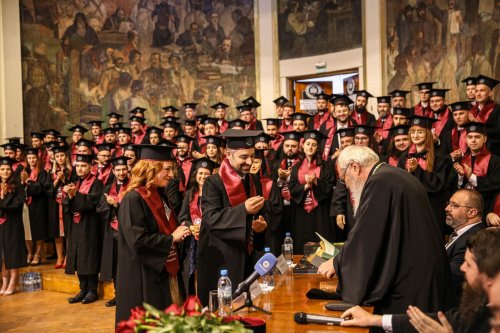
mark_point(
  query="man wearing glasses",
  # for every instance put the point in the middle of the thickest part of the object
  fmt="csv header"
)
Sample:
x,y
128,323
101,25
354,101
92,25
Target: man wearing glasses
x,y
394,255
463,214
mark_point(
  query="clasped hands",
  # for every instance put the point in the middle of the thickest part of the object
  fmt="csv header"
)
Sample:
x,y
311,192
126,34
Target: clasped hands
x,y
462,170
252,206
310,181
70,190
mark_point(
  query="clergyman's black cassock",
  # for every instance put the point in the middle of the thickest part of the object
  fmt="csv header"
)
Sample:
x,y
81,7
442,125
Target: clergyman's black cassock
x,y
84,238
142,254
223,236
394,256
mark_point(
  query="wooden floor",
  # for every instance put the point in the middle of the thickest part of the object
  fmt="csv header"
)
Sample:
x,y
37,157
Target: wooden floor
x,y
49,311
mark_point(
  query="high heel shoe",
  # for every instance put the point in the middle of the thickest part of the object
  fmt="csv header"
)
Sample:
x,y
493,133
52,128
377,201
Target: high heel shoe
x,y
9,292
37,260
29,259
58,266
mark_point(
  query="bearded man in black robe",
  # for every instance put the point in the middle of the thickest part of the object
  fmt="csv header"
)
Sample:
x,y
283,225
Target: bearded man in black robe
x,y
394,255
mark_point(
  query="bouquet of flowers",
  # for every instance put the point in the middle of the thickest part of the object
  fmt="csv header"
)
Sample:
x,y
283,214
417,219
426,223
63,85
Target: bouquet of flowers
x,y
187,318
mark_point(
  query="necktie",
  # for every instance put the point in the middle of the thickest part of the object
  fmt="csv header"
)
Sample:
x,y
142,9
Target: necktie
x,y
453,236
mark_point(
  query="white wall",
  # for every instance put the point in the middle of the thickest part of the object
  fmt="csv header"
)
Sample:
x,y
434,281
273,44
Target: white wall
x,y
271,73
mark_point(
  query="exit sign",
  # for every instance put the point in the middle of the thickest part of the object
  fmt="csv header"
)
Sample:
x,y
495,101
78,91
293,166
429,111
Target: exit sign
x,y
321,69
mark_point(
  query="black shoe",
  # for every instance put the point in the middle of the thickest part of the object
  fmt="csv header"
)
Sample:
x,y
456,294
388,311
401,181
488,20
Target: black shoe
x,y
111,302
91,297
78,297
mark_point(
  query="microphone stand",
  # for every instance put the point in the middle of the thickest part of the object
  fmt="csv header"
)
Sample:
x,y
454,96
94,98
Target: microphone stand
x,y
249,304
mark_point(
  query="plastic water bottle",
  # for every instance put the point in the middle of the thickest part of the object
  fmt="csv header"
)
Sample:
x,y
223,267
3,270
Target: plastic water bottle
x,y
28,282
224,293
268,279
288,249
38,281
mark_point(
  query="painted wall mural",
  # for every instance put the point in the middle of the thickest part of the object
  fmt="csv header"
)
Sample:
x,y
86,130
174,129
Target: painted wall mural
x,y
120,54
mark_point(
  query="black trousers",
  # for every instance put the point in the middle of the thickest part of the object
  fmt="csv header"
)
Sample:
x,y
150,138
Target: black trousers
x,y
88,282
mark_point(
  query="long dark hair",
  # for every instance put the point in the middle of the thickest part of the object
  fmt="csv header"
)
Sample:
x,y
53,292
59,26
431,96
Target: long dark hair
x,y
317,158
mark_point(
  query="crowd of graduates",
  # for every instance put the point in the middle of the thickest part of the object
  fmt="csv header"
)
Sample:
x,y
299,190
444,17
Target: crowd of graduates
x,y
70,192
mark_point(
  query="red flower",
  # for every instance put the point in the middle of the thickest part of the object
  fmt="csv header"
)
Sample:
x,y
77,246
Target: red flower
x,y
137,313
125,327
174,309
191,304
230,319
193,313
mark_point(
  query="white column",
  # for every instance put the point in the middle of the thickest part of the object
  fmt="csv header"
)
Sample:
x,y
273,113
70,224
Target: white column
x,y
373,42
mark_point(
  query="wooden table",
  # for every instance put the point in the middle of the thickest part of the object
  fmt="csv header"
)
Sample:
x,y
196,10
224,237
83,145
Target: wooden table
x,y
289,297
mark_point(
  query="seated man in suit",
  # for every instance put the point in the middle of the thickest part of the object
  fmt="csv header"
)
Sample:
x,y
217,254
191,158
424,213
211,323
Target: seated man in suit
x,y
463,213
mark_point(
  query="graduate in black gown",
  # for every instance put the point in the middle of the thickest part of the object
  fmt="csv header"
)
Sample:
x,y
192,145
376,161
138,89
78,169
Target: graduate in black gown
x,y
84,237
425,163
149,267
108,209
394,256
399,143
311,187
12,247
35,181
191,216
234,216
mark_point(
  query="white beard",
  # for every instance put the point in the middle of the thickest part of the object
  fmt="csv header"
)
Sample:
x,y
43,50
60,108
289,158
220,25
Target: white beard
x,y
356,191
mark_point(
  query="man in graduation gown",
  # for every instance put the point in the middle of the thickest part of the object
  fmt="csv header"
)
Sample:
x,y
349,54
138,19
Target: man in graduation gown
x,y
442,113
103,169
286,122
423,108
234,216
360,113
148,234
220,113
322,115
84,235
108,209
394,256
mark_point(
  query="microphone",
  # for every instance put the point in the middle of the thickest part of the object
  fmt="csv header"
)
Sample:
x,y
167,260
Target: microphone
x,y
265,264
306,318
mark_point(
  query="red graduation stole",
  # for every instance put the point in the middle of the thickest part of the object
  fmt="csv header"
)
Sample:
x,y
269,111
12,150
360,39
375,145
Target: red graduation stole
x,y
331,136
480,165
99,139
483,114
186,168
320,119
104,174
276,143
419,110
441,121
73,154
265,182
284,127
307,168
383,128
83,187
195,210
59,198
233,184
118,198
33,177
137,138
253,124
285,191
393,160
165,225
412,153
459,142
360,117
223,126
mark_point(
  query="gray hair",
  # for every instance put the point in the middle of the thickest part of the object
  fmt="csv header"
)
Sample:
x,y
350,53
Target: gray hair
x,y
363,156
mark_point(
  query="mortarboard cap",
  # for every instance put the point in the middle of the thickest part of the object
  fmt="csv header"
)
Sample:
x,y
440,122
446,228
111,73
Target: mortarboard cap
x,y
131,147
122,160
84,142
125,130
78,128
137,110
154,129
219,105
323,95
210,120
137,119
189,122
272,121
384,99
205,163
399,130
243,108
190,105
58,148
401,111
10,146
336,99
460,106
114,115
424,85
438,92
399,93
183,138
363,93
38,135
300,116
109,130
280,100
475,127
51,132
117,125
469,81
62,138
490,82
263,138
292,135
156,152
313,134
424,122
251,101
104,147
84,158
170,108
14,140
31,151
238,139
237,123
169,124
95,123
201,117
4,160
364,129
214,140
345,132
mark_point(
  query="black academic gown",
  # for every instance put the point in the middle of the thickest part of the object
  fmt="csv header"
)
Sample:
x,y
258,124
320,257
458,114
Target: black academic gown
x,y
223,237
142,254
341,205
435,184
304,224
53,208
84,238
38,205
394,256
12,246
109,245
274,205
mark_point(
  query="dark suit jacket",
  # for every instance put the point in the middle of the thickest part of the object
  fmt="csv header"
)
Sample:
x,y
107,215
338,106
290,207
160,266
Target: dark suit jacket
x,y
456,254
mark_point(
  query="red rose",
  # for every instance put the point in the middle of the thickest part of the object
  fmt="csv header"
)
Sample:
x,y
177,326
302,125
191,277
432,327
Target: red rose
x,y
191,304
125,326
137,313
193,313
230,319
174,309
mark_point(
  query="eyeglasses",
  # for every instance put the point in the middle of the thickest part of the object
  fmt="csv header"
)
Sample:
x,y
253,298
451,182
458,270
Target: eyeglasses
x,y
454,205
342,179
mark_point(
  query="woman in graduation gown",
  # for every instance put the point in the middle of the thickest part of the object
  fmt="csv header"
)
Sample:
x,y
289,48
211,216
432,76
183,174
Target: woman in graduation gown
x,y
148,237
191,215
214,149
58,218
400,143
311,186
35,181
427,165
12,247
